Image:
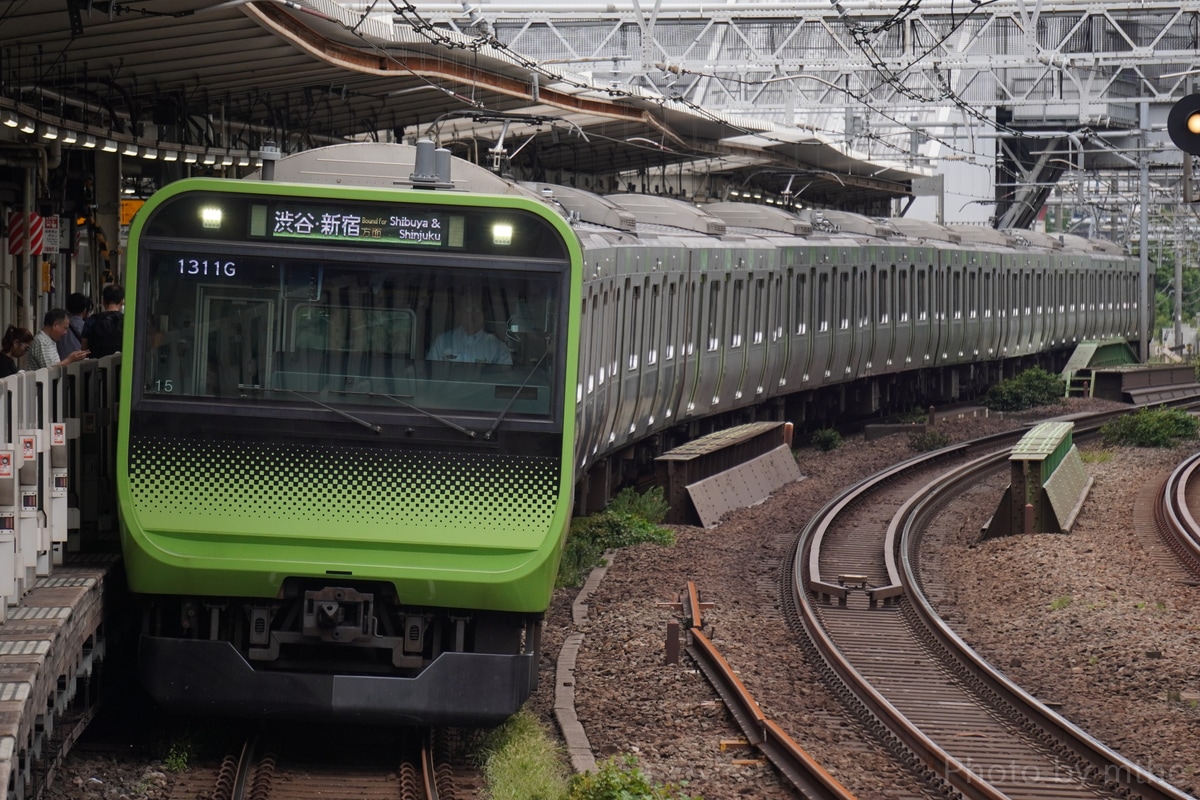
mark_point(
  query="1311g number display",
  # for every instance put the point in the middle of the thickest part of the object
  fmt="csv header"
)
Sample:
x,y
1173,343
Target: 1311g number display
x,y
214,268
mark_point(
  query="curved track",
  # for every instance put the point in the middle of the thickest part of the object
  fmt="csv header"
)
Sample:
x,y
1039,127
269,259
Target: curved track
x,y
960,725
1176,524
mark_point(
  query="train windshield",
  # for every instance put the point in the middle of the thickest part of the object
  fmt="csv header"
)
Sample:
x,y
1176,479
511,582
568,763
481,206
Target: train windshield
x,y
349,328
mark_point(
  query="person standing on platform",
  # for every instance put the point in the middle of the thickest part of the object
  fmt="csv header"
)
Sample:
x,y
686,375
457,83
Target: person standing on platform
x,y
15,345
44,350
104,331
78,306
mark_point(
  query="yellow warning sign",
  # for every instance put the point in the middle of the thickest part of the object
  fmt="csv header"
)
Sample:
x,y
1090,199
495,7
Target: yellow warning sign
x,y
129,208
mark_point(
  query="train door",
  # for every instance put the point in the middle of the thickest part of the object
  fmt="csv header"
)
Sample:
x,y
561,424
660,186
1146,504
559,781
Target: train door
x,y
614,336
801,326
711,343
989,324
824,288
971,322
757,321
1057,282
627,369
641,376
860,324
692,338
661,348
775,349
236,337
904,343
954,277
924,336
841,358
586,442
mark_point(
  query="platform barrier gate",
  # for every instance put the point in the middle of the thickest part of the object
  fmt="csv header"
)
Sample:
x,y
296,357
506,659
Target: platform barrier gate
x,y
57,468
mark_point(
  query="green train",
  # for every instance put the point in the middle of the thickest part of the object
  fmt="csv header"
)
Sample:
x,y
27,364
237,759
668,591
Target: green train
x,y
325,517
361,398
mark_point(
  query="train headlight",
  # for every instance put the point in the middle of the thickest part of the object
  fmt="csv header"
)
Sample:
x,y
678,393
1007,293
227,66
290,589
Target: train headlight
x,y
502,234
210,217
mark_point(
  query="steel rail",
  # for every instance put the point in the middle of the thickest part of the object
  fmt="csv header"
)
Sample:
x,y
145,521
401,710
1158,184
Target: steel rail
x,y
1176,524
1104,764
934,763
799,767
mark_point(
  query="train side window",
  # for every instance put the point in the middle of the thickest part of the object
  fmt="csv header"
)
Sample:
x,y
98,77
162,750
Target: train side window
x,y
922,295
758,317
973,295
655,333
713,315
844,302
800,304
823,303
777,295
635,325
671,333
884,298
865,301
735,326
902,289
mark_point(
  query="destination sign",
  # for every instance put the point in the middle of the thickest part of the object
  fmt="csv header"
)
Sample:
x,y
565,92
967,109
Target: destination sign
x,y
408,228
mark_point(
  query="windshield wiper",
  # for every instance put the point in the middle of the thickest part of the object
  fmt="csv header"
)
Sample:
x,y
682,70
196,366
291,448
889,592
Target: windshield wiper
x,y
357,420
419,410
488,436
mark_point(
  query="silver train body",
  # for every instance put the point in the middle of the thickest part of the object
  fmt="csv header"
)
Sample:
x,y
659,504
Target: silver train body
x,y
696,317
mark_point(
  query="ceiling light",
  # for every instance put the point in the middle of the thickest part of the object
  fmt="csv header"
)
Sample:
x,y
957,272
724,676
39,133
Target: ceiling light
x,y
170,155
27,126
150,153
131,149
69,137
109,146
89,141
243,161
227,160
210,159
49,132
10,119
190,158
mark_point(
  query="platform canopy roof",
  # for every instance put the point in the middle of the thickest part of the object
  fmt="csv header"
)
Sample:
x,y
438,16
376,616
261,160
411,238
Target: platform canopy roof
x,y
197,80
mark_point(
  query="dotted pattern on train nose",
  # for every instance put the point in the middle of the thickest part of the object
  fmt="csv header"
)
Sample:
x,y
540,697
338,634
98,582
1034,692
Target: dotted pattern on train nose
x,y
308,483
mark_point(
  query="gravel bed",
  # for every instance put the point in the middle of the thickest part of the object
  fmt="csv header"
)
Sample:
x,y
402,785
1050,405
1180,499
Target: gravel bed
x,y
1087,621
1119,658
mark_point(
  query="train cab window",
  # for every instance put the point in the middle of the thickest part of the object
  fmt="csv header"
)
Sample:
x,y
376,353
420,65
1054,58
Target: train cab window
x,y
309,328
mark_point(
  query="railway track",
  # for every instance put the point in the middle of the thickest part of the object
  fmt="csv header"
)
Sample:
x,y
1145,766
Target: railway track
x,y
956,722
1173,516
401,765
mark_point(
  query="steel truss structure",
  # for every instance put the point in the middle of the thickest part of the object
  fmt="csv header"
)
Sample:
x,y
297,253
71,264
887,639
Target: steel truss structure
x,y
1039,90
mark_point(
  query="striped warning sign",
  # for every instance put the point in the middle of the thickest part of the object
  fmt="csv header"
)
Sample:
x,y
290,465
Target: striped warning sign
x,y
18,230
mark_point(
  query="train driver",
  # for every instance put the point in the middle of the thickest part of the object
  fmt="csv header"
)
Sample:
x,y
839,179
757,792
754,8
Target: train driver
x,y
468,342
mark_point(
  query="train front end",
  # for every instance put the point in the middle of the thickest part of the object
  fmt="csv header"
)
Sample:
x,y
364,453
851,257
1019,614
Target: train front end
x,y
325,514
